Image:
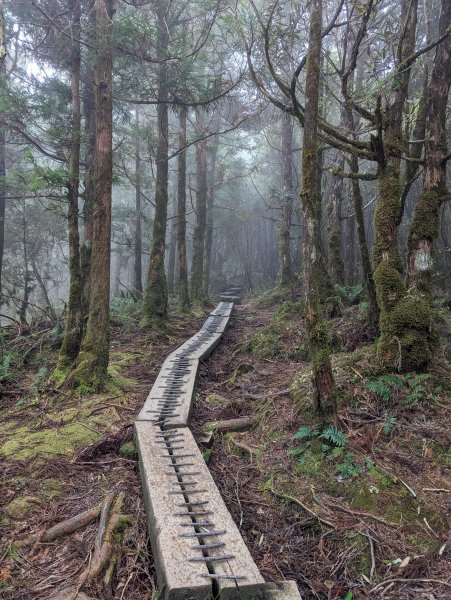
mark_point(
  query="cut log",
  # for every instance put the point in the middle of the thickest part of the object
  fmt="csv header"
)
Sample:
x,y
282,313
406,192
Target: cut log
x,y
72,524
230,424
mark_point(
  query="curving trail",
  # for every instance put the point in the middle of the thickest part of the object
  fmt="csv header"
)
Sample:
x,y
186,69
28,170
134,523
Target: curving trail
x,y
197,548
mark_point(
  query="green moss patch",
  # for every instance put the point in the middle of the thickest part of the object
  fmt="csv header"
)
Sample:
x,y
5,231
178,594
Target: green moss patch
x,y
29,444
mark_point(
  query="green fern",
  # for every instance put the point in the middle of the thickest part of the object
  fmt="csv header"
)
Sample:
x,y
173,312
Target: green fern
x,y
395,380
350,295
381,389
389,425
5,366
304,432
334,436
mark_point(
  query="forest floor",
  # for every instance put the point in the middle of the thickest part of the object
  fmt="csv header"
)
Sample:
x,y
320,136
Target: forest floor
x,y
358,512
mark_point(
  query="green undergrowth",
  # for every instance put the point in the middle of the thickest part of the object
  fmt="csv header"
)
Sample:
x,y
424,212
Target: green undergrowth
x,y
281,338
67,423
274,297
330,467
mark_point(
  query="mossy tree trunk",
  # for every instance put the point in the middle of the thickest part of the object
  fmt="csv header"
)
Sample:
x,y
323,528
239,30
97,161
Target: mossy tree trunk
x,y
425,224
351,78
155,304
335,258
286,271
74,323
197,261
27,287
89,113
183,295
367,269
209,226
137,255
401,344
92,363
2,174
2,36
172,247
317,331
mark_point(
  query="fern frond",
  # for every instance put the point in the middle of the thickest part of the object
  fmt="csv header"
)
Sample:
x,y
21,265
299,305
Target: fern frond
x,y
334,436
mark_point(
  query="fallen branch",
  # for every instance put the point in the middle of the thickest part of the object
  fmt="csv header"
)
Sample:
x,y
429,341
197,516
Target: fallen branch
x,y
72,524
304,506
111,520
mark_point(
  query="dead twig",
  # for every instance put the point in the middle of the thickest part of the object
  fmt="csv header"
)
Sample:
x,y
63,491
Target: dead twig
x,y
400,580
358,513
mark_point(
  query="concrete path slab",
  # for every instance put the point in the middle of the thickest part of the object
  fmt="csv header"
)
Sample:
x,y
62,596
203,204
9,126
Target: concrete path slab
x,y
168,513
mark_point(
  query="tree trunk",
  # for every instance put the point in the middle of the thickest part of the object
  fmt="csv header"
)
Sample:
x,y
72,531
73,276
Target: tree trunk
x,y
137,266
336,265
2,176
425,225
350,253
172,247
27,274
89,111
209,228
155,305
92,363
197,264
48,305
2,36
74,324
183,296
317,331
286,274
398,345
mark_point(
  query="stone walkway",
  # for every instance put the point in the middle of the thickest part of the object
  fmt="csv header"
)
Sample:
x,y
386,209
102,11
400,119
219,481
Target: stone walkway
x,y
197,548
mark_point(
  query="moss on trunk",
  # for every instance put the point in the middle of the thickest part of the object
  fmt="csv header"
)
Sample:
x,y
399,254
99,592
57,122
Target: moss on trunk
x,y
155,302
91,370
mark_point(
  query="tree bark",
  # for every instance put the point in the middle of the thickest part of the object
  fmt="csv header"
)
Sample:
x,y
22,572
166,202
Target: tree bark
x,y
317,331
89,111
335,258
183,296
92,363
27,275
425,225
286,274
197,261
399,345
137,266
209,227
367,269
74,324
155,305
172,248
2,176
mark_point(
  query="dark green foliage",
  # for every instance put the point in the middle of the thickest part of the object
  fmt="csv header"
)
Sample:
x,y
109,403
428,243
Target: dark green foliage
x,y
334,436
349,294
389,425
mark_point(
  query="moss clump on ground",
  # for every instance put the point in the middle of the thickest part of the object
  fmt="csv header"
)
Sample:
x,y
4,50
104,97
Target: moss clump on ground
x,y
50,488
20,507
28,444
128,450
